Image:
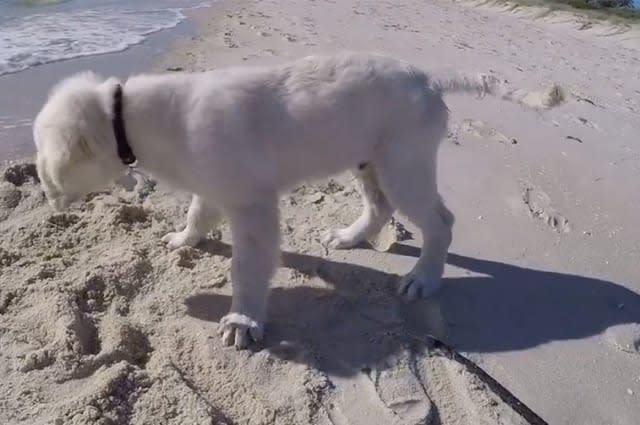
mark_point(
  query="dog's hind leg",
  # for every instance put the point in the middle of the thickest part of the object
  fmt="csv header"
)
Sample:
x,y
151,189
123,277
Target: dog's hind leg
x,y
376,212
409,181
256,235
200,219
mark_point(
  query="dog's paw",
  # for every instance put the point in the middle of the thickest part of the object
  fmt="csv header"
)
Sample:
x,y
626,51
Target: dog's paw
x,y
339,239
239,330
176,240
414,285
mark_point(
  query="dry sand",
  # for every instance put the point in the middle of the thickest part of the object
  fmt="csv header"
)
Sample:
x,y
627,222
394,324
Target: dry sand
x,y
101,324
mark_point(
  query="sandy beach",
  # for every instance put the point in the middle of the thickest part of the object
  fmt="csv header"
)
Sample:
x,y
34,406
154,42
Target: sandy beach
x,y
101,324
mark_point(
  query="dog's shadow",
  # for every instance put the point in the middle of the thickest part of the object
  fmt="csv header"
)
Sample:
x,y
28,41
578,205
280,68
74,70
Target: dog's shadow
x,y
355,322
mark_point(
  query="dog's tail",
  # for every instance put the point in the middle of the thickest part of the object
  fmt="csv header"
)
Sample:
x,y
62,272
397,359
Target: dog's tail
x,y
483,84
480,84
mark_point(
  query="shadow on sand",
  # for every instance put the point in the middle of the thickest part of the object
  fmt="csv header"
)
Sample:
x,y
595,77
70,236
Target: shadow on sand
x,y
357,322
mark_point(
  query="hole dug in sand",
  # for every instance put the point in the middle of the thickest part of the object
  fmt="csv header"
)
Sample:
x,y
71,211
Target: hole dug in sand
x,y
128,215
63,220
19,189
80,347
115,284
109,398
119,340
77,336
74,336
186,257
19,174
10,196
392,232
91,297
7,258
6,297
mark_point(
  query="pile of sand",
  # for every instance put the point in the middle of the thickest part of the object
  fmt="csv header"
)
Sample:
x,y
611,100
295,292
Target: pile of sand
x,y
101,324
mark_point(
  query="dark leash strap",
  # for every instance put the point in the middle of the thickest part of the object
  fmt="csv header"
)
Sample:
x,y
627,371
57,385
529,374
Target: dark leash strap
x,y
505,395
124,148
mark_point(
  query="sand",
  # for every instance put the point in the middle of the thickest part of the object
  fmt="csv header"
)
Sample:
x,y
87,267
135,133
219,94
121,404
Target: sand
x,y
101,324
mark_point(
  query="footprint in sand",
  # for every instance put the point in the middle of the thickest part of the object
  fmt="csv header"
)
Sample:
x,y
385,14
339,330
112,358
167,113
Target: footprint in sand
x,y
539,206
582,97
402,391
583,121
288,37
228,40
480,129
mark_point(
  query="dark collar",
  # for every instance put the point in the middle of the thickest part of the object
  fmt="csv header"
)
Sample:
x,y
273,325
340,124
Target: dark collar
x,y
124,148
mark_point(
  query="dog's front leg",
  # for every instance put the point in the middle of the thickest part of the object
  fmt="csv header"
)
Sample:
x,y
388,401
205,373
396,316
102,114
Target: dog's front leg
x,y
256,235
201,218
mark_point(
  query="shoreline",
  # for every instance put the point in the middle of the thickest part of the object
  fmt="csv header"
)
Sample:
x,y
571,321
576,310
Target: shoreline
x,y
25,91
102,322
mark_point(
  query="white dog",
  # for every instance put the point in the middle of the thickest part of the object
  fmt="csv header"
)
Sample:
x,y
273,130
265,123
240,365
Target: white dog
x,y
236,137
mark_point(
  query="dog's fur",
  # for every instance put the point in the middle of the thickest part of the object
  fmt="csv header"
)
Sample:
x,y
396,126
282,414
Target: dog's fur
x,y
236,137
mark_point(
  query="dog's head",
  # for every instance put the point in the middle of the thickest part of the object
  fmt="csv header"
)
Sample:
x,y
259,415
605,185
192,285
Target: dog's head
x,y
77,152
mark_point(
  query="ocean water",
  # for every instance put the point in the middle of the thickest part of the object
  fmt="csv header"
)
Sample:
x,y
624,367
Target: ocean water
x,y
35,32
110,37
